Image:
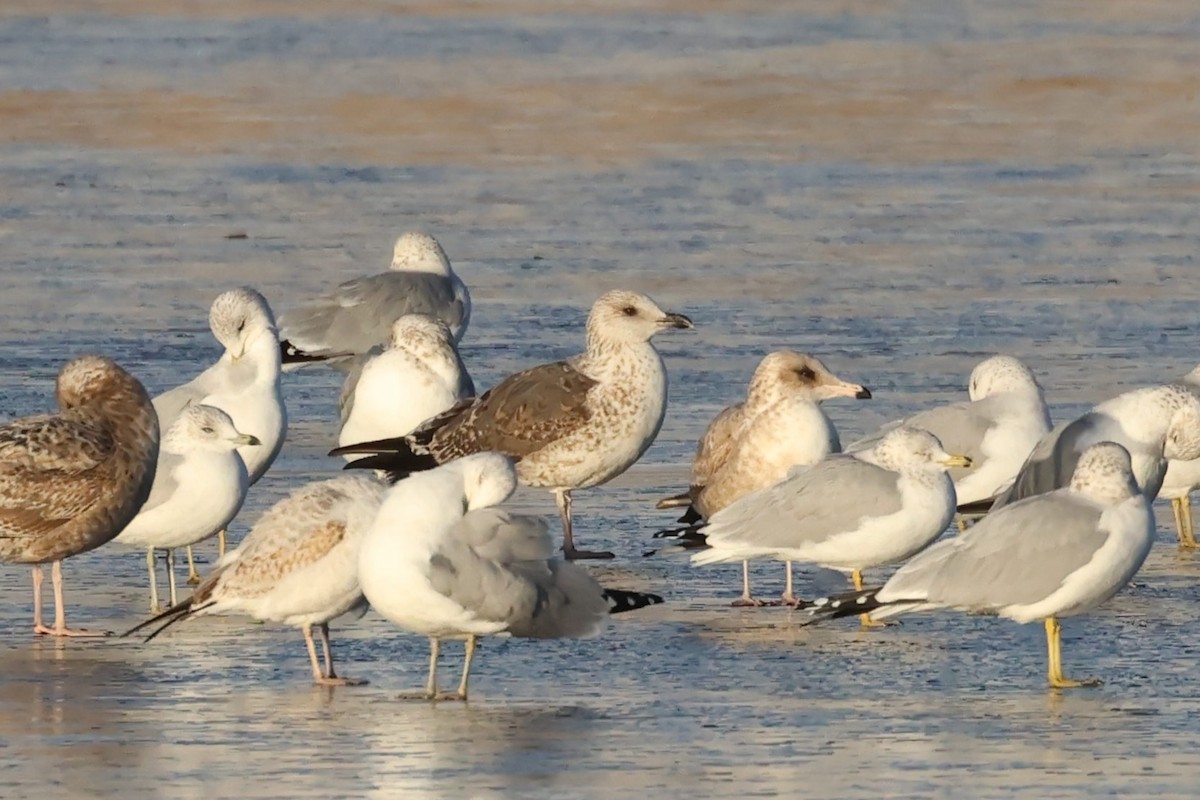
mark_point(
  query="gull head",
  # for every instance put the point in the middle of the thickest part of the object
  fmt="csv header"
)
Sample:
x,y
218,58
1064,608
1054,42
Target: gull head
x,y
240,317
790,372
1104,473
906,448
488,479
626,317
205,428
420,333
1183,431
1000,374
89,379
419,252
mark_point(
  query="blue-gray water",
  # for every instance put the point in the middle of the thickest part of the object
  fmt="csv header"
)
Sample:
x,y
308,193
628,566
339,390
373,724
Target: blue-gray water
x,y
899,188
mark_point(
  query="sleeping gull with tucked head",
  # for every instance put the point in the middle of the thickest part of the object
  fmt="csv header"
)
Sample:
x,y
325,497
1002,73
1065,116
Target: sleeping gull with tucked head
x,y
417,377
1048,556
442,561
358,315
1153,424
199,486
1182,478
753,444
569,425
997,427
848,512
69,482
298,566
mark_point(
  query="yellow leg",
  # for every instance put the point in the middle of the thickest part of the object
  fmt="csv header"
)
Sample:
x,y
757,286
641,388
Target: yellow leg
x,y
193,574
961,521
221,543
1187,534
1054,652
864,619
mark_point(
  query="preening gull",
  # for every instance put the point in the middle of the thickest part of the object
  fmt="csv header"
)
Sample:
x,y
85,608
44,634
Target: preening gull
x,y
417,377
199,486
1154,424
997,427
358,315
69,482
298,566
569,425
1052,555
752,445
244,383
1182,478
441,561
848,512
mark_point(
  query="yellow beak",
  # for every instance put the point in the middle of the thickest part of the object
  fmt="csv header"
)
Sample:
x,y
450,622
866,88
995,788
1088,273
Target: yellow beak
x,y
956,461
245,438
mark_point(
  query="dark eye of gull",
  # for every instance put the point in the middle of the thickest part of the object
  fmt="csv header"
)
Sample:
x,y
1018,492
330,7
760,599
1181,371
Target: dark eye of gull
x,y
207,429
806,373
629,311
241,326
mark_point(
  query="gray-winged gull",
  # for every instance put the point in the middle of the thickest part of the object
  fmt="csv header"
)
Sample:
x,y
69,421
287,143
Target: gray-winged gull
x,y
570,425
200,483
70,481
443,562
298,566
358,315
1182,478
753,444
1049,556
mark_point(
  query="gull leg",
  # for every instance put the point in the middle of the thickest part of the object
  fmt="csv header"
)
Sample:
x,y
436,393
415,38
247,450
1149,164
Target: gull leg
x,y
865,619
563,498
435,648
312,653
171,575
468,657
1183,520
1054,651
961,521
60,612
152,567
330,677
38,578
193,575
221,543
747,600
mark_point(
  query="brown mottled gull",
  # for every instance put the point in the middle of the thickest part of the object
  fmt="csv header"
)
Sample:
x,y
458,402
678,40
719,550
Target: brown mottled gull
x,y
298,566
569,425
69,482
753,445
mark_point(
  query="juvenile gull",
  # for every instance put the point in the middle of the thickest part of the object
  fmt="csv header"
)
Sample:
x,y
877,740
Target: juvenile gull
x,y
1182,478
298,566
417,377
997,427
358,315
441,561
199,486
69,482
1052,555
1154,424
244,383
569,425
752,445
848,512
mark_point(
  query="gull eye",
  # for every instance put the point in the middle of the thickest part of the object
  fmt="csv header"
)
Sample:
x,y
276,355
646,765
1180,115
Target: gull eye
x,y
241,326
207,429
629,311
806,373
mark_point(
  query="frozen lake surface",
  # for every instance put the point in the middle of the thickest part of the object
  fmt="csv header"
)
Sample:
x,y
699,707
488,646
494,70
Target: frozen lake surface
x,y
898,187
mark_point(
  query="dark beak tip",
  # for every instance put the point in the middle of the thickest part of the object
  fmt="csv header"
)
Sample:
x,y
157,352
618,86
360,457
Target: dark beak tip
x,y
863,394
679,321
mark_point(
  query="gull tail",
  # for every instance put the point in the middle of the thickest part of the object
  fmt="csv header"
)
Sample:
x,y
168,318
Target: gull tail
x,y
620,601
176,613
294,357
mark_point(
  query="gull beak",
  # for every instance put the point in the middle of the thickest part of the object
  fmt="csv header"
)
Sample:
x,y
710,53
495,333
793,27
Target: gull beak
x,y
245,438
675,321
956,461
850,390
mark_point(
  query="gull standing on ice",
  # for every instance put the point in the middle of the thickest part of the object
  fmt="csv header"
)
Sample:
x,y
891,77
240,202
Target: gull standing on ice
x,y
997,428
441,561
1154,424
70,481
848,512
417,377
358,315
244,383
199,486
1182,478
753,444
1048,556
298,566
569,425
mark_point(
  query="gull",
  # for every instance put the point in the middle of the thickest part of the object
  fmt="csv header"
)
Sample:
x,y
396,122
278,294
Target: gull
x,y
753,444
997,427
417,377
244,383
358,315
1154,424
1182,478
200,483
1041,558
442,561
298,566
848,512
70,481
569,425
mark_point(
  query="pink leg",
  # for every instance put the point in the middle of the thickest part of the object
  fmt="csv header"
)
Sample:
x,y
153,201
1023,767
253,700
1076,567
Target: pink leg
x,y
747,600
330,678
38,578
60,612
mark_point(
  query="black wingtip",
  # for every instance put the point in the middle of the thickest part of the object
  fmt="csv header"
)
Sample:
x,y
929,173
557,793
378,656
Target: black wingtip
x,y
848,604
620,600
172,615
